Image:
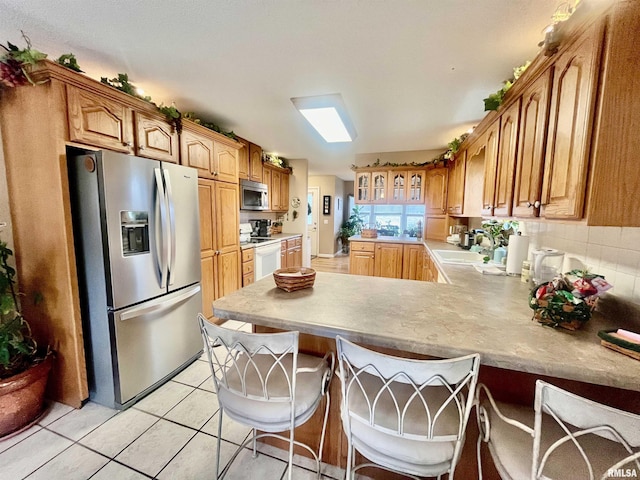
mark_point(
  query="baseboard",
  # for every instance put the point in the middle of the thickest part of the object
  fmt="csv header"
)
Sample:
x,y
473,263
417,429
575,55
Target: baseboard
x,y
326,255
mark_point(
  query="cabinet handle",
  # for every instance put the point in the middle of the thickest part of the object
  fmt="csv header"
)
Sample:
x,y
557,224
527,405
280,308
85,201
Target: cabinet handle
x,y
127,144
141,147
529,204
537,204
217,252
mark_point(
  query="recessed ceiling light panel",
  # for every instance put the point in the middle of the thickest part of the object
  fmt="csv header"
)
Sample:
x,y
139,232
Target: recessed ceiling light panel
x,y
328,115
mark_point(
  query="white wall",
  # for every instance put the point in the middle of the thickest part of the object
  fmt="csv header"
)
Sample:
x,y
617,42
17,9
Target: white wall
x,y
613,252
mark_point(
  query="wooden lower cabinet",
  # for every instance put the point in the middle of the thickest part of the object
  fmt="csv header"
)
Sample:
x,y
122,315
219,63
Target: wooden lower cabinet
x,y
248,266
291,253
412,260
388,261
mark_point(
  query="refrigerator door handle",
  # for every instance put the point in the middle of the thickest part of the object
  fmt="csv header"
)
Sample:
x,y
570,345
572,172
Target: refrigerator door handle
x,y
159,305
172,225
162,252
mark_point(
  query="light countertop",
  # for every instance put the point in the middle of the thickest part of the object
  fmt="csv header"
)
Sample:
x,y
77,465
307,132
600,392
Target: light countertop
x,y
474,313
276,237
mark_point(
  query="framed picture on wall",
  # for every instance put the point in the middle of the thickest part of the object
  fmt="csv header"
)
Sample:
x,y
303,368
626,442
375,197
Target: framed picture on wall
x,y
326,204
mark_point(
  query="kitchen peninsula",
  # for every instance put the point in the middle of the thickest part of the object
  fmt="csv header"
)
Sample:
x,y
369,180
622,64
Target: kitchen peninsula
x,y
473,313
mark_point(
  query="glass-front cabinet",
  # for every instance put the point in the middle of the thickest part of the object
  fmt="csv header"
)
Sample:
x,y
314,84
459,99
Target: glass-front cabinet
x,y
397,186
415,186
363,184
378,187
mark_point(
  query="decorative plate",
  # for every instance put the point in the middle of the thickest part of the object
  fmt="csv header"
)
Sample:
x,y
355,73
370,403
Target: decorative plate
x,y
295,202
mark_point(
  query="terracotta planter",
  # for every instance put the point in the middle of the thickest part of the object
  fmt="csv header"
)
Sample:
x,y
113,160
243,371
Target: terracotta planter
x,y
22,397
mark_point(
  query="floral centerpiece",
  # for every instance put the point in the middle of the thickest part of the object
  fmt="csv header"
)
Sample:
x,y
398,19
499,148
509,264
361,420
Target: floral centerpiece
x,y
568,300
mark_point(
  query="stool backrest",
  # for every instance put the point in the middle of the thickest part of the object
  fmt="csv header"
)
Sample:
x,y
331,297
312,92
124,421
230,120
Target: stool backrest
x,y
578,418
254,365
424,400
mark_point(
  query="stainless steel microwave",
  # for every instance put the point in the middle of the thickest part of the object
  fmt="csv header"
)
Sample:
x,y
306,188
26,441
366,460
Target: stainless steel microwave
x,y
253,196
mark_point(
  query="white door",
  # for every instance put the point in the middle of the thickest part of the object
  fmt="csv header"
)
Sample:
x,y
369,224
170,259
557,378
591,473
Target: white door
x,y
313,196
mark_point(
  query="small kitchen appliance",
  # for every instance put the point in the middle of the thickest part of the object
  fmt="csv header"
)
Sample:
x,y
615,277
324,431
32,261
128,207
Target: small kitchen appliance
x,y
467,239
260,228
253,195
547,263
245,232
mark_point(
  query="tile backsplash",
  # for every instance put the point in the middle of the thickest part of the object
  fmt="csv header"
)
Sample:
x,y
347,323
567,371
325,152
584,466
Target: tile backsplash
x,y
613,252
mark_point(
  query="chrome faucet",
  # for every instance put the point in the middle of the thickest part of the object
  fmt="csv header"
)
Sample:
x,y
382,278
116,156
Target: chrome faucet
x,y
488,251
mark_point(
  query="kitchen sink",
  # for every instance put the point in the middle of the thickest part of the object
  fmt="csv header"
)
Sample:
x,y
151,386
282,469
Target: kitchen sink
x,y
458,257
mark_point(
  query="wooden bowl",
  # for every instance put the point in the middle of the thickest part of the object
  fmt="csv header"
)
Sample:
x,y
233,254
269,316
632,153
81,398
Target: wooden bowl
x,y
369,233
294,278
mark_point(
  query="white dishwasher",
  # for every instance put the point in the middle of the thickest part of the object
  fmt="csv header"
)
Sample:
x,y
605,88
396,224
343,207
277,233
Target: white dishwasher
x,y
267,259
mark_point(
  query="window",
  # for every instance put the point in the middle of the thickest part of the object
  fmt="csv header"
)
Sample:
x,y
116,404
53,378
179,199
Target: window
x,y
392,219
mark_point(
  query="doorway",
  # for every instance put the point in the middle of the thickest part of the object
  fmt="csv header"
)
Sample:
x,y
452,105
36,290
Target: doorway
x,y
313,205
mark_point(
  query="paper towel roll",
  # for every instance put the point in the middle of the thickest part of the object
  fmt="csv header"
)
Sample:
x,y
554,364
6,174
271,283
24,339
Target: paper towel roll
x,y
518,252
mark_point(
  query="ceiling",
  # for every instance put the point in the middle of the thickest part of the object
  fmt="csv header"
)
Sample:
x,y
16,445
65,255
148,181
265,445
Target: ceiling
x,y
412,73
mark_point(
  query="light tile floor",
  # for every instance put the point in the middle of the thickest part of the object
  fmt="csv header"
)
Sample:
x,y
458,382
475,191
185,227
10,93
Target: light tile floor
x,y
170,434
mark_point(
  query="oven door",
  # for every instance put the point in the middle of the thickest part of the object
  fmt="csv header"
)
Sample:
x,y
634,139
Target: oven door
x,y
267,260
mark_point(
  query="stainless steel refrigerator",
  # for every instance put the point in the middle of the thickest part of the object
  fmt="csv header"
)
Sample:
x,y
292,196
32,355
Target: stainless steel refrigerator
x,y
137,236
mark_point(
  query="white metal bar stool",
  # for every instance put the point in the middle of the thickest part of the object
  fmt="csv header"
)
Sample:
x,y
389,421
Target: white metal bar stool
x,y
263,382
407,416
565,437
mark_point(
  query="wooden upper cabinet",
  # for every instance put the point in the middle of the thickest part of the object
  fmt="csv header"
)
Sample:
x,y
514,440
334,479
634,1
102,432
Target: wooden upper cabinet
x,y
492,137
227,216
255,163
225,162
99,121
388,260
284,192
436,181
155,138
507,151
570,123
196,151
274,191
378,187
533,137
363,187
243,159
397,187
415,186
455,184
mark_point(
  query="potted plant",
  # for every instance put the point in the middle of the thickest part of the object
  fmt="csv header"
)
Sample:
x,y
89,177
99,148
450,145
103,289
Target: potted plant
x,y
24,369
352,226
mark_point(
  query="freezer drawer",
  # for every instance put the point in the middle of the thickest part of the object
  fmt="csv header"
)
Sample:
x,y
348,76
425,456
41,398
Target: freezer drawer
x,y
154,339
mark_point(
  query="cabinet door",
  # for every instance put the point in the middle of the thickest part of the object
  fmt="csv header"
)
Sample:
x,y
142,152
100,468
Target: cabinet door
x,y
533,137
283,255
455,193
275,190
266,178
227,216
255,163
155,138
436,191
571,115
225,164
363,187
243,159
397,187
284,192
412,258
228,278
416,186
206,199
507,152
361,263
490,168
378,187
196,151
388,260
98,121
